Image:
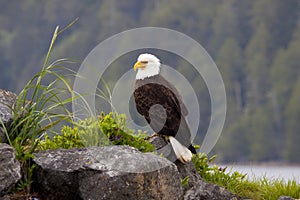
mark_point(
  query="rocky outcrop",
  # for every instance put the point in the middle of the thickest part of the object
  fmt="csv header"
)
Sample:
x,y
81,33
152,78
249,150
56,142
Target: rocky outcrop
x,y
208,191
112,172
196,188
7,99
118,172
10,171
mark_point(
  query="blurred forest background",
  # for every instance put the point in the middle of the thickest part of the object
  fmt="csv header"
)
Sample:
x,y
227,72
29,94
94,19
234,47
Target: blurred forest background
x,y
255,44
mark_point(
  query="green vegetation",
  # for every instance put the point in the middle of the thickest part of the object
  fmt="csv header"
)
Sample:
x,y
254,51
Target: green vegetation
x,y
257,54
239,184
185,181
110,129
38,108
69,138
114,127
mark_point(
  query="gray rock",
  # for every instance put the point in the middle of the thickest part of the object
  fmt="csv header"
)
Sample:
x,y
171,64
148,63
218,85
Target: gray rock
x,y
188,170
18,196
196,188
208,191
112,172
5,198
7,99
10,170
285,198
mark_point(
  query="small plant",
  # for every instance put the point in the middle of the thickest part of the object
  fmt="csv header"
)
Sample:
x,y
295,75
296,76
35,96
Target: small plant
x,y
234,182
185,181
213,173
69,138
109,129
115,128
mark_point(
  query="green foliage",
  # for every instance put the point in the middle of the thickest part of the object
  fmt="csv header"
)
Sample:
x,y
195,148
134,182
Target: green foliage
x,y
110,129
213,173
114,127
240,185
234,182
185,181
273,189
25,183
69,138
84,133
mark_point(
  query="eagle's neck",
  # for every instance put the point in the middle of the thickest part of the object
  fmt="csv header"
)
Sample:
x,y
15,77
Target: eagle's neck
x,y
149,71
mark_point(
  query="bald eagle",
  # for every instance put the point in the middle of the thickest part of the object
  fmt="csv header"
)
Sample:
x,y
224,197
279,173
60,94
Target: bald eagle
x,y
162,106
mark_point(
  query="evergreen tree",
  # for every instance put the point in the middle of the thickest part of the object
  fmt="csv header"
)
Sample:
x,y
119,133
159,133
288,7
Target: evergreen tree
x,y
258,67
230,62
292,149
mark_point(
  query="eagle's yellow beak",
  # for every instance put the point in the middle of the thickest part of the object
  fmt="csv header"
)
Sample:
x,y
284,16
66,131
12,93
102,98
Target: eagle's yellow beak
x,y
139,64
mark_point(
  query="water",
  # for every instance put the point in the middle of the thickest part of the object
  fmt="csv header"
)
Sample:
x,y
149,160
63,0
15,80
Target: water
x,y
270,172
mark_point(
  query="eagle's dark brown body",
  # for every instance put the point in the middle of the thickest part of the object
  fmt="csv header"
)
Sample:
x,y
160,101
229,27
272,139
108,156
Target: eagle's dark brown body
x,y
154,93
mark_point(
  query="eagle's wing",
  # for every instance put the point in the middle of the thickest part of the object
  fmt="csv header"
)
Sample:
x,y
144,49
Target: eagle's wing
x,y
182,107
157,103
183,134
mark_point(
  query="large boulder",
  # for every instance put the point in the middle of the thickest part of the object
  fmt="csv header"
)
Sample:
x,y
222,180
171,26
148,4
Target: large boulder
x,y
10,170
7,99
112,172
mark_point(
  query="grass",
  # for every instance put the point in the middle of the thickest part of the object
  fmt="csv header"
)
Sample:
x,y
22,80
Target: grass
x,y
265,189
271,189
238,183
38,109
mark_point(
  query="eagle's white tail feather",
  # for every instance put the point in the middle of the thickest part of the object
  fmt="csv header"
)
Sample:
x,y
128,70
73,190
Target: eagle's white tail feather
x,y
182,153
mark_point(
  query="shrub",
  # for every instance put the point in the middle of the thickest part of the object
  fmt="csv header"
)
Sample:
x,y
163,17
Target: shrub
x,y
109,129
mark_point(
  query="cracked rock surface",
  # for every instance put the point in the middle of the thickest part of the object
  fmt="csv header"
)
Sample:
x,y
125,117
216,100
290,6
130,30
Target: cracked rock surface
x,y
7,99
10,170
111,172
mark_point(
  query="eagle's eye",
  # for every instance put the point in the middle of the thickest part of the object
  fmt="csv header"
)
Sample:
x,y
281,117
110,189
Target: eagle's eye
x,y
144,62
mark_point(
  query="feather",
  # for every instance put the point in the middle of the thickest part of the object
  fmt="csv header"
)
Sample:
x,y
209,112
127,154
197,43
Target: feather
x,y
182,153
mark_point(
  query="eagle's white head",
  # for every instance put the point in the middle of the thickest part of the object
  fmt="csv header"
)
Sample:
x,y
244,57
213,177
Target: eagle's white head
x,y
147,65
